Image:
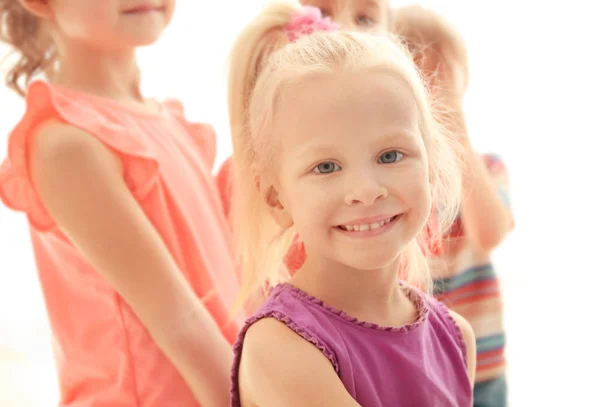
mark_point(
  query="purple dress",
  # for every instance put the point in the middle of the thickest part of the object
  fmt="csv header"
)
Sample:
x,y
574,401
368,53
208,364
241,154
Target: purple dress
x,y
422,364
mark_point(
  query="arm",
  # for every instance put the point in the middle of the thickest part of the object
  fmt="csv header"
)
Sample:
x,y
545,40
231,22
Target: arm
x,y
469,338
486,218
81,184
279,368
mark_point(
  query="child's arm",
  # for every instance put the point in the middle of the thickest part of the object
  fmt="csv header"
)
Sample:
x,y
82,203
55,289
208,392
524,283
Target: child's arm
x,y
469,338
485,217
279,368
80,181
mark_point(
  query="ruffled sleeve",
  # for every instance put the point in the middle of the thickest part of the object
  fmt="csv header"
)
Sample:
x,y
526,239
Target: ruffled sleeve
x,y
203,134
44,102
443,313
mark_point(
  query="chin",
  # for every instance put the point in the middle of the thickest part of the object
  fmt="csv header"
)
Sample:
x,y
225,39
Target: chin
x,y
146,36
145,40
372,261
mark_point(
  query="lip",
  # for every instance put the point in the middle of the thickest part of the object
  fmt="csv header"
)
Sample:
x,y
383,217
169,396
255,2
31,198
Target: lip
x,y
371,232
144,9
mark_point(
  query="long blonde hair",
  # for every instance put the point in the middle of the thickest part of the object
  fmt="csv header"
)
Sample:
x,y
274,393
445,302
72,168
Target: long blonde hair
x,y
437,47
263,64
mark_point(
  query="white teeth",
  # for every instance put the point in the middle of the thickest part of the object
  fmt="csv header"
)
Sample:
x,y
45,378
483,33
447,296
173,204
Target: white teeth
x,y
375,225
364,228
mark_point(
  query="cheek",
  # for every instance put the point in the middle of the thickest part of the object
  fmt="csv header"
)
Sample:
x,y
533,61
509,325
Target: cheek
x,y
423,202
309,204
170,6
416,191
83,20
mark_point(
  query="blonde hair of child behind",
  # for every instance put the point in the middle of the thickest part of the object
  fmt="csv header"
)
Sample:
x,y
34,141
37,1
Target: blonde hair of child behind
x,y
263,64
34,47
425,31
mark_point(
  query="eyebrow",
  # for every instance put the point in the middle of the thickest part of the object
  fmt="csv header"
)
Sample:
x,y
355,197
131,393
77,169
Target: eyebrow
x,y
327,148
371,3
406,135
314,3
366,3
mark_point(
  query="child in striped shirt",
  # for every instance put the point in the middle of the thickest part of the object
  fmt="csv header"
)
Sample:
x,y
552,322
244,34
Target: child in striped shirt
x,y
465,278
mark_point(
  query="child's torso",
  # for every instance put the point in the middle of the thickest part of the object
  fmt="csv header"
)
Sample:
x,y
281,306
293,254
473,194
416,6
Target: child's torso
x,y
104,355
420,364
465,280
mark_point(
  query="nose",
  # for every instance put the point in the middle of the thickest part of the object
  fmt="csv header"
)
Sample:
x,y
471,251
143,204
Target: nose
x,y
347,23
365,189
345,18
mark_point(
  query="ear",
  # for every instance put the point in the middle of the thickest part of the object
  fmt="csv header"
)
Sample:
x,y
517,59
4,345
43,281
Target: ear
x,y
271,197
430,59
442,74
39,8
436,69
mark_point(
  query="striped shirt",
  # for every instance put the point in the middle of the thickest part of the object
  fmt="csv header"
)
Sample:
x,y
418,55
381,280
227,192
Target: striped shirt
x,y
466,281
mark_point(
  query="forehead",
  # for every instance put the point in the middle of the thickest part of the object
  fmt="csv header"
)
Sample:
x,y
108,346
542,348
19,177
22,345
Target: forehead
x,y
347,107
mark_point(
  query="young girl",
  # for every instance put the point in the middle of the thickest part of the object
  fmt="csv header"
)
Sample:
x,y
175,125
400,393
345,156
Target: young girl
x,y
465,278
351,15
334,140
130,238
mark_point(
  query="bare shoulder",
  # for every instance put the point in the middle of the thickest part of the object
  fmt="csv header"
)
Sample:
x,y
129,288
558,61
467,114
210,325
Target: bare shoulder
x,y
270,344
464,325
469,338
278,367
58,145
73,172
269,331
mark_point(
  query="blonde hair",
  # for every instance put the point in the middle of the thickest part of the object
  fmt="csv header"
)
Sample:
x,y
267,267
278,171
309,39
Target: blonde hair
x,y
263,64
23,32
423,30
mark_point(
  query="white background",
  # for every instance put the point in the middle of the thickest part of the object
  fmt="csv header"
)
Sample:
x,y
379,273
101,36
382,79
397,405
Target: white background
x,y
532,99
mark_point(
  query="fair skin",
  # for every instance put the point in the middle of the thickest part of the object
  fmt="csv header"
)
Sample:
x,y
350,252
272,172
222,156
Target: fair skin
x,y
354,15
485,217
353,155
80,182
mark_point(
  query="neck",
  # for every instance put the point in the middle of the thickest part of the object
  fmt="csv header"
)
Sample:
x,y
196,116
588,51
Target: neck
x,y
357,292
113,74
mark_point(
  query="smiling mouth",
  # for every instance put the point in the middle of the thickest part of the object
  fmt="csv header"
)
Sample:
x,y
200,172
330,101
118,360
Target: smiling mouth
x,y
144,10
367,226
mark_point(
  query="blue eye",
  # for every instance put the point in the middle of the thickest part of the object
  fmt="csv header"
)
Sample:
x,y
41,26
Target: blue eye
x,y
327,168
390,157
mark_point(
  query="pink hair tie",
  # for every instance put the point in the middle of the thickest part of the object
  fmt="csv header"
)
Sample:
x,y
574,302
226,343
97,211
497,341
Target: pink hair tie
x,y
308,21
